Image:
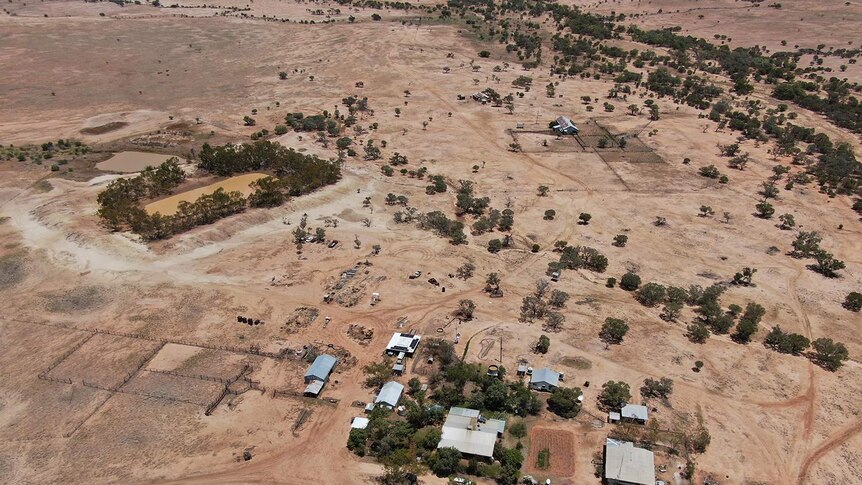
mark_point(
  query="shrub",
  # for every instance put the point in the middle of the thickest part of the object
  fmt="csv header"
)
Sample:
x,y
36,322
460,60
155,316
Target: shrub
x,y
853,302
630,281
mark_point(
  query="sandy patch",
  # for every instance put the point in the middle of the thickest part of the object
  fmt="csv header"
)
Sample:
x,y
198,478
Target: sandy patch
x,y
240,183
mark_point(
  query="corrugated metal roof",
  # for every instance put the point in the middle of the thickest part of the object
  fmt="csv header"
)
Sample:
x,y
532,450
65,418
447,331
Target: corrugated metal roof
x,y
635,411
470,413
322,367
390,393
545,375
627,463
467,441
359,423
314,387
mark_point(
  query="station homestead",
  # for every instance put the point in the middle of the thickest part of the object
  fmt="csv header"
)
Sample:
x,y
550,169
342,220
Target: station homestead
x,y
569,241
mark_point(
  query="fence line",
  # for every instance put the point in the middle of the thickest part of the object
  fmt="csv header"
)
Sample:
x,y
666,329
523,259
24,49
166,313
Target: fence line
x,y
66,355
284,354
201,377
214,404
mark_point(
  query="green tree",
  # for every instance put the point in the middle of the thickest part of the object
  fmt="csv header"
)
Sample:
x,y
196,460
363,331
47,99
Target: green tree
x,y
543,345
671,311
826,265
765,210
564,402
558,298
614,395
651,294
447,462
584,218
657,388
356,441
613,330
630,281
853,301
543,190
697,333
828,354
620,240
518,429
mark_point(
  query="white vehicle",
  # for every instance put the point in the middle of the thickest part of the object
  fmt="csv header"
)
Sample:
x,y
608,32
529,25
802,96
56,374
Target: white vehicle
x,y
555,276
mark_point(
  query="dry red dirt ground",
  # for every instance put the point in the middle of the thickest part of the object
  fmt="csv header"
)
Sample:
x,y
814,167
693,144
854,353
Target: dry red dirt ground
x,y
152,328
561,445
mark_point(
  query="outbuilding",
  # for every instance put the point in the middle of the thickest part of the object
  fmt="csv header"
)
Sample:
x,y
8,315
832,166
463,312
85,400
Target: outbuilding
x,y
320,368
405,343
545,379
390,394
626,464
564,126
634,413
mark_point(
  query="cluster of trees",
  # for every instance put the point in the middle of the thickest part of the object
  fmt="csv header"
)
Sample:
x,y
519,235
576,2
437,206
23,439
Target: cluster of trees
x,y
437,222
577,257
807,245
321,122
537,306
299,174
495,219
839,106
119,202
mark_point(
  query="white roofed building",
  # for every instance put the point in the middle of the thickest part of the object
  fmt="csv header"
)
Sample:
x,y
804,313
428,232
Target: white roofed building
x,y
403,342
471,434
626,464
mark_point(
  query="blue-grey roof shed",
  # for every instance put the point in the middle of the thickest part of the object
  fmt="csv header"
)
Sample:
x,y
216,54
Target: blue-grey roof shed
x,y
321,368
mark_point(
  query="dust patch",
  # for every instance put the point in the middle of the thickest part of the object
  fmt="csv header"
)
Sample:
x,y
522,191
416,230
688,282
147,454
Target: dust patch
x,y
79,299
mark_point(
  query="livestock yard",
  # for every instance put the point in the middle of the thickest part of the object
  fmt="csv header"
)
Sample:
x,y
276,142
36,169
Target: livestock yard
x,y
575,241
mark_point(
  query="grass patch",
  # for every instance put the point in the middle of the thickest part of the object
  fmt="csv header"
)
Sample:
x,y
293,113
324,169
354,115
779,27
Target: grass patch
x,y
576,363
12,271
106,128
82,298
543,460
43,186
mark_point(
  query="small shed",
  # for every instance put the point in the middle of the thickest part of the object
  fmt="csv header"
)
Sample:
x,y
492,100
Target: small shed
x,y
613,417
313,388
522,369
359,423
398,369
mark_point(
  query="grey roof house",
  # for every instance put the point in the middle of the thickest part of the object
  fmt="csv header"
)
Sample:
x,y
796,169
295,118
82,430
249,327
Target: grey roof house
x,y
635,412
626,464
389,394
545,379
